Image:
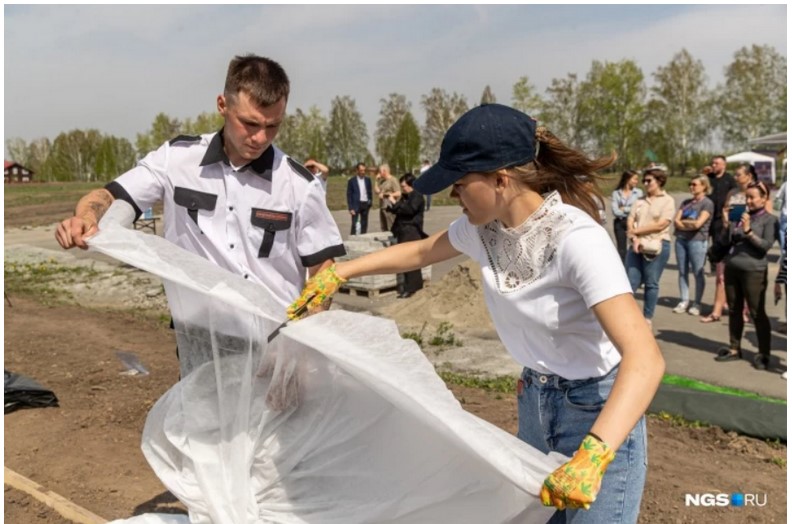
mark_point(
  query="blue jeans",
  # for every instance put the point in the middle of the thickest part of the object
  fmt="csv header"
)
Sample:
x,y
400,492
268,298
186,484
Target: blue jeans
x,y
641,270
555,414
691,255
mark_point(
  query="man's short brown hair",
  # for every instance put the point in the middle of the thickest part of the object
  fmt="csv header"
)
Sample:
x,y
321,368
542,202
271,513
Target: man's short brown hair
x,y
264,80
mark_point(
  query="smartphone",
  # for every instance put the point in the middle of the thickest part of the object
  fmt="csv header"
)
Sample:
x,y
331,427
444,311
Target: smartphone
x,y
736,212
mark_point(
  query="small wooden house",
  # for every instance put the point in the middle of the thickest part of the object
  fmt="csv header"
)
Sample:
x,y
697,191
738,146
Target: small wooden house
x,y
15,172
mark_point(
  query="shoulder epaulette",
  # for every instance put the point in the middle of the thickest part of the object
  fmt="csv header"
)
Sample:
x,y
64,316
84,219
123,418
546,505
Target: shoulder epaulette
x,y
301,169
184,138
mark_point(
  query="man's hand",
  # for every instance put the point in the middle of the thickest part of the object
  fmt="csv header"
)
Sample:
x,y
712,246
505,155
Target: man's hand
x,y
316,292
74,231
577,483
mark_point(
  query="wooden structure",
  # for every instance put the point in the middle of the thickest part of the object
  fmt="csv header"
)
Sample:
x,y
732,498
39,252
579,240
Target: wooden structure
x,y
15,172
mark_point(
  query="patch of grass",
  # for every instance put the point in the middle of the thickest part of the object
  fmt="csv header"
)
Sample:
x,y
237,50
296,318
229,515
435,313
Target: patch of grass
x,y
501,384
677,420
779,461
444,336
46,193
44,280
685,382
416,336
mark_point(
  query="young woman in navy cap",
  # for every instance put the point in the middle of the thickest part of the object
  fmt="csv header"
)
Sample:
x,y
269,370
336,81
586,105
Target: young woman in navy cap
x,y
558,297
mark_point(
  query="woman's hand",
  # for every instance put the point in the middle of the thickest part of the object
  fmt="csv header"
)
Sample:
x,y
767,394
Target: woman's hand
x,y
577,483
636,245
317,291
746,222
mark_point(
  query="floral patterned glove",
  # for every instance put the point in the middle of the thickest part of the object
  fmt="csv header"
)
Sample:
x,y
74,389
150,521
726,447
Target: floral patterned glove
x,y
576,483
316,292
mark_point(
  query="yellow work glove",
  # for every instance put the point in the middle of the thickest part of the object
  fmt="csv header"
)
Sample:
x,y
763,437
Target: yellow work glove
x,y
576,484
316,292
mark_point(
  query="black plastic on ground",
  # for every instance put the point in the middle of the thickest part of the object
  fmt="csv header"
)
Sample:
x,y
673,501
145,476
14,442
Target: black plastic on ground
x,y
756,418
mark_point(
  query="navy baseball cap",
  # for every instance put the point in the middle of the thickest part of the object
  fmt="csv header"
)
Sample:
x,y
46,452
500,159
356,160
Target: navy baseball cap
x,y
486,138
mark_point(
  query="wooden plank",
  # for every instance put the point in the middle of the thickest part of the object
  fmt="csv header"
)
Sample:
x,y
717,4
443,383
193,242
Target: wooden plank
x,y
66,508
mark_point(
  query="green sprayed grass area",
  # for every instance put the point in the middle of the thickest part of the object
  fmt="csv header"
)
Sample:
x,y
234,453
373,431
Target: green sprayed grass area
x,y
685,382
506,384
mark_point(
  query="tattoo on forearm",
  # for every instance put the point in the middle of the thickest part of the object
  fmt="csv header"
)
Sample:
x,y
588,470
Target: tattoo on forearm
x,y
95,205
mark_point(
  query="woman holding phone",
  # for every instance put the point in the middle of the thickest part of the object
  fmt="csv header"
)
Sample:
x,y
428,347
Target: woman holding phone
x,y
746,274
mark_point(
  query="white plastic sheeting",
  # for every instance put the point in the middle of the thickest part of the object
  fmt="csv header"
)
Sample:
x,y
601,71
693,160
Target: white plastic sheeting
x,y
338,420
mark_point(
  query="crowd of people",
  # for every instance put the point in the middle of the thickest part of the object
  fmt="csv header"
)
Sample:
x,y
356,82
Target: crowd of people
x,y
728,221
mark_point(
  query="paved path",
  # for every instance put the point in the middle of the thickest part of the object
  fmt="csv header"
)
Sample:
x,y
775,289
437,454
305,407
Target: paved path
x,y
687,344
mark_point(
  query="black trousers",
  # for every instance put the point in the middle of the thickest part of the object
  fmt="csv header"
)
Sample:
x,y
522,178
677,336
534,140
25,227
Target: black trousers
x,y
361,215
413,280
747,287
620,232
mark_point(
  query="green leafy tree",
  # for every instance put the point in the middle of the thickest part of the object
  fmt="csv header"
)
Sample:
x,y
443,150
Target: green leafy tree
x,y
406,147
73,156
114,157
204,123
347,135
525,98
37,154
753,101
392,112
612,110
162,129
680,111
561,111
442,110
487,97
302,135
17,150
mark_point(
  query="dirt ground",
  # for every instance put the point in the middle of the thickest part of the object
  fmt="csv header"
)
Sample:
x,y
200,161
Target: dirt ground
x,y
88,449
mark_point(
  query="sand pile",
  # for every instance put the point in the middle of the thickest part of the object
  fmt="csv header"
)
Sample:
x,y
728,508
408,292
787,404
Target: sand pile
x,y
458,298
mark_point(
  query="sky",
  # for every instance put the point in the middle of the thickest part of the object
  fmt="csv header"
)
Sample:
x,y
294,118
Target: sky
x,y
113,68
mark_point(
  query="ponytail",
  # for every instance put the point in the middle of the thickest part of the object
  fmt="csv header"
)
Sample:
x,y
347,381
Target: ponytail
x,y
558,167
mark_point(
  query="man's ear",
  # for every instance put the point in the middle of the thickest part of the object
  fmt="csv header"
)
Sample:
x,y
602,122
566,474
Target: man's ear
x,y
221,104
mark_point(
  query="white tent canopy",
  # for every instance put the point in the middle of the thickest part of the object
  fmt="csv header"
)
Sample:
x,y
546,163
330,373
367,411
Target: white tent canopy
x,y
774,139
764,165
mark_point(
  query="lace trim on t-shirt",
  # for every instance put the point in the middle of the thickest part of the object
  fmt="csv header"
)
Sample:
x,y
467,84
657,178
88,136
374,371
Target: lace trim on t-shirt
x,y
519,256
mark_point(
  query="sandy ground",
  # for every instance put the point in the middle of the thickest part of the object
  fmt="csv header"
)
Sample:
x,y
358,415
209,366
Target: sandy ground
x,y
88,449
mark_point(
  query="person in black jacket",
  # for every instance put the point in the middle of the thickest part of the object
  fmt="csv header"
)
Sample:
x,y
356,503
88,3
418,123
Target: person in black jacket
x,y
752,236
408,226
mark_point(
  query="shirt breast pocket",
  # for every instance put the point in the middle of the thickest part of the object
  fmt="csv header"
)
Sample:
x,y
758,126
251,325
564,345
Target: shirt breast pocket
x,y
270,230
194,201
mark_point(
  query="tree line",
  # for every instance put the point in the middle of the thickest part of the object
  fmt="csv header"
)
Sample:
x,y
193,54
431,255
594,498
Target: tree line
x,y
677,119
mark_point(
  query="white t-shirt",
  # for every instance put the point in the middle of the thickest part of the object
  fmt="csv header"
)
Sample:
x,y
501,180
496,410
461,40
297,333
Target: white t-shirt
x,y
541,280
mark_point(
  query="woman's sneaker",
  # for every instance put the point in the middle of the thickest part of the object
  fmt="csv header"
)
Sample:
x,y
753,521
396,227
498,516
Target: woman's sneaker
x,y
681,307
694,310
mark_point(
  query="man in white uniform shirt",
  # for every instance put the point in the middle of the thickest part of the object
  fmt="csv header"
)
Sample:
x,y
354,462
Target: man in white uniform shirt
x,y
231,197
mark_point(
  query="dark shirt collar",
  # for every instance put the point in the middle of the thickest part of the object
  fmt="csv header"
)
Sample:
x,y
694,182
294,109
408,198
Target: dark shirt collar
x,y
262,166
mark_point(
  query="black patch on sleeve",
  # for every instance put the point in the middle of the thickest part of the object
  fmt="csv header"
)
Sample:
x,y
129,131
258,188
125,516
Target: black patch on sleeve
x,y
119,193
301,169
184,138
321,256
